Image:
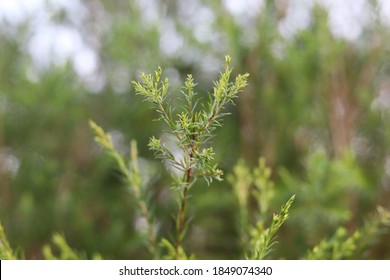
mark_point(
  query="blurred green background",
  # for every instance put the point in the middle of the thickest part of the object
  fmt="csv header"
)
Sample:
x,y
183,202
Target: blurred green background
x,y
316,108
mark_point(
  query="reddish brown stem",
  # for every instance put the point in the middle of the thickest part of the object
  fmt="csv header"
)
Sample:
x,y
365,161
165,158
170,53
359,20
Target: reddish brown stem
x,y
182,211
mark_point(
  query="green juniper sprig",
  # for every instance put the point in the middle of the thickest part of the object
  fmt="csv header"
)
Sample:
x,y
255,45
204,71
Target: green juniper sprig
x,y
191,130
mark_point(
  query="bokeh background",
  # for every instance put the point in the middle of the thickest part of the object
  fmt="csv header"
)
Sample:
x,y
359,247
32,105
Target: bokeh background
x,y
316,108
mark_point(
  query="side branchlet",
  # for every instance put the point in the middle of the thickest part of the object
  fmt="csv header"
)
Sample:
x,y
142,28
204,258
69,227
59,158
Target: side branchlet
x,y
131,172
264,239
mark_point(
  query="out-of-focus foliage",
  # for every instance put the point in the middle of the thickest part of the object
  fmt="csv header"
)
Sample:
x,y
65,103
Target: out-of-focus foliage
x,y
5,250
316,109
327,197
341,246
60,250
133,179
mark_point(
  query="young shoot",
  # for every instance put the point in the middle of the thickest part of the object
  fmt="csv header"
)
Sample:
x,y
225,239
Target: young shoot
x,y
191,130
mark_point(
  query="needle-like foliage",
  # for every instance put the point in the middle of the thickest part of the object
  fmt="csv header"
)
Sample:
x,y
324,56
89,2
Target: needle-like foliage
x,y
265,238
191,130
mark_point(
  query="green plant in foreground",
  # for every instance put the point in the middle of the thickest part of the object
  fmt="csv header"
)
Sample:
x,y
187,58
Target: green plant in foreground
x,y
191,130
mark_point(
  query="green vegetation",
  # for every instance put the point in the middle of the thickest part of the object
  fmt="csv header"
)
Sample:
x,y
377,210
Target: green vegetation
x,y
5,250
192,131
299,169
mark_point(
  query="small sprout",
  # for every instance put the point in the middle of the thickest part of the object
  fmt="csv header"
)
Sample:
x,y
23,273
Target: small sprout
x,y
207,154
154,143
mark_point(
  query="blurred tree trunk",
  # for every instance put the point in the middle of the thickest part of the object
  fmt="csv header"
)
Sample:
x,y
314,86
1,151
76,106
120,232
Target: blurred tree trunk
x,y
342,111
247,108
